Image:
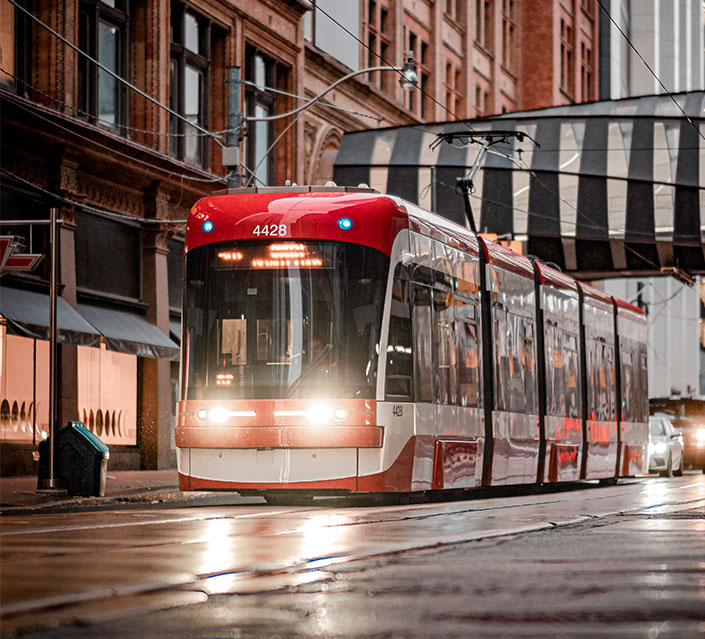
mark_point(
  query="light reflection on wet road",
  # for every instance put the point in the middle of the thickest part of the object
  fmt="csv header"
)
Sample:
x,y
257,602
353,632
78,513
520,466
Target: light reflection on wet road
x,y
90,567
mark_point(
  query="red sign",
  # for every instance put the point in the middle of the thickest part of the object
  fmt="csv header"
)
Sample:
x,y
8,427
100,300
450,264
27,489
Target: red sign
x,y
11,261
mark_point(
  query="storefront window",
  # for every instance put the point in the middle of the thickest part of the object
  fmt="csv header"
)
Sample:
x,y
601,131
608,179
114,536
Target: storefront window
x,y
24,389
107,394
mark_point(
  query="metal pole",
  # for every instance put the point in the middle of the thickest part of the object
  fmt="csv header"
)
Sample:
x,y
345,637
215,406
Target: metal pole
x,y
231,152
52,482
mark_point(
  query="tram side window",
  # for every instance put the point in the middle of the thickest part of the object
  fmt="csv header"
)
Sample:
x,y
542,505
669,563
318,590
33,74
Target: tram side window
x,y
601,381
572,372
628,386
399,351
555,383
642,399
515,370
422,331
634,383
444,363
604,382
528,366
562,372
466,328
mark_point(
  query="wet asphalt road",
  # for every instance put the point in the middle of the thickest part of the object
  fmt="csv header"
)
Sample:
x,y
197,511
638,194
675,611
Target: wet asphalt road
x,y
622,561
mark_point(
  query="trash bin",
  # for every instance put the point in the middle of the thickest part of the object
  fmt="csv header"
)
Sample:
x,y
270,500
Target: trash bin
x,y
80,460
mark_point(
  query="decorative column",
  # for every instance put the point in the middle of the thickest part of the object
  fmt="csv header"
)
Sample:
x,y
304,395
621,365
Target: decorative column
x,y
154,427
67,185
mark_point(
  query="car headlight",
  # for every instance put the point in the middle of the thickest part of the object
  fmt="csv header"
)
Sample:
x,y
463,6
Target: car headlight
x,y
700,435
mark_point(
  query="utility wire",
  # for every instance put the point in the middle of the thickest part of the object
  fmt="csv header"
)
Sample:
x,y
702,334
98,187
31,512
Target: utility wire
x,y
87,207
317,7
321,102
131,158
593,225
646,64
106,123
113,74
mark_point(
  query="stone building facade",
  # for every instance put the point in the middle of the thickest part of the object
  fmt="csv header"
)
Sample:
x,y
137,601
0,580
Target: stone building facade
x,y
115,113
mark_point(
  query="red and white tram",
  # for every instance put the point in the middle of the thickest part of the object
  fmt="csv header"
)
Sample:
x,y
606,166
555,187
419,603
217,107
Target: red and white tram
x,y
337,340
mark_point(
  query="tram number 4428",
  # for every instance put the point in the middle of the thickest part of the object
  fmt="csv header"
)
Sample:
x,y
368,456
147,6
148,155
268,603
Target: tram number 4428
x,y
270,230
398,410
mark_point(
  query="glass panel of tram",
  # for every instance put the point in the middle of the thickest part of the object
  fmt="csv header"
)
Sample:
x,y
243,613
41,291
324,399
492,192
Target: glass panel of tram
x,y
283,320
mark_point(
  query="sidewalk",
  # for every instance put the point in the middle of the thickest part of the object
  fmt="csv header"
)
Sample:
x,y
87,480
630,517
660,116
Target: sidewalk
x,y
19,494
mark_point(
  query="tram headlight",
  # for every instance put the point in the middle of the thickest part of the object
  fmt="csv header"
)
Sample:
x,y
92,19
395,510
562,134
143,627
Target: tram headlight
x,y
218,415
202,414
318,414
339,414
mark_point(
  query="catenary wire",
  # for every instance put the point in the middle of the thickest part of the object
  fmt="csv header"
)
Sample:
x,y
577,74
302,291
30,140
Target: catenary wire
x,y
317,7
321,102
646,64
124,127
88,207
33,110
113,74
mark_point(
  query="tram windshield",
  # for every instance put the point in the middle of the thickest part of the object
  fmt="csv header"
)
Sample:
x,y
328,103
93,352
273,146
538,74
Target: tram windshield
x,y
277,320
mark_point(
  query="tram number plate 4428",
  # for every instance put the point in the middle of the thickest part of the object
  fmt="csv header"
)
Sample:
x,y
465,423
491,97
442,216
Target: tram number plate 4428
x,y
270,230
398,410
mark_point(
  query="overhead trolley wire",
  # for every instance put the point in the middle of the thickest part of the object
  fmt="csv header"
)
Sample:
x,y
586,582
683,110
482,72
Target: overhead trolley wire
x,y
132,158
317,7
88,207
115,75
646,64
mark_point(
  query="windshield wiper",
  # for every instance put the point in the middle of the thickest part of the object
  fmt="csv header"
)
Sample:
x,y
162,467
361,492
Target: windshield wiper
x,y
304,376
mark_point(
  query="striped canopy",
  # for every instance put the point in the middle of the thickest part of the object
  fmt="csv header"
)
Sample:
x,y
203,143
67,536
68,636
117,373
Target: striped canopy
x,y
612,187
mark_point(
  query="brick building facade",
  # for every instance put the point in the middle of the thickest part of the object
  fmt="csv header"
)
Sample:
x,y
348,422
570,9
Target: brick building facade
x,y
123,170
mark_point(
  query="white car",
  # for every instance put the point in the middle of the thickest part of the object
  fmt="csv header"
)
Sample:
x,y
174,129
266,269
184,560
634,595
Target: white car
x,y
665,447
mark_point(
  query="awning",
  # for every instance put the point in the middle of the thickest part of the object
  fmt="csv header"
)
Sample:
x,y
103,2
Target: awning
x,y
27,315
175,331
129,333
610,187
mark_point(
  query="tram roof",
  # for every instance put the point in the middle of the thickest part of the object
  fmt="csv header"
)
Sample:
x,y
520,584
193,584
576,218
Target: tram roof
x,y
595,295
627,309
552,277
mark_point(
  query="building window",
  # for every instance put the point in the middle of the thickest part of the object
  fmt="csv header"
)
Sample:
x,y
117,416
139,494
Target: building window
x,y
586,73
15,47
379,42
454,11
588,7
453,83
566,57
103,34
507,33
482,98
424,70
483,23
419,102
259,103
188,84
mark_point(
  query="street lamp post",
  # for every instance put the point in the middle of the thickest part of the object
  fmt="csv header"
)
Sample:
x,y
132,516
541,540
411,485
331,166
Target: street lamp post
x,y
231,152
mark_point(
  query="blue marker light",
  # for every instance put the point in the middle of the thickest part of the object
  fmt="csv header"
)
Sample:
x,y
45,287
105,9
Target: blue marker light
x,y
345,223
207,226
